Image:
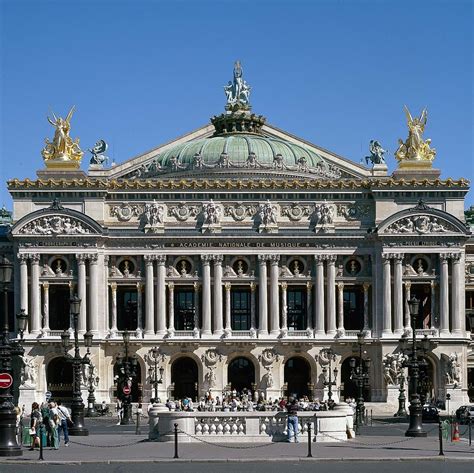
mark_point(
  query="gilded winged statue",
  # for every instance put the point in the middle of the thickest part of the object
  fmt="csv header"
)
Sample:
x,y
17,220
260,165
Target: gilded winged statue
x,y
62,148
415,148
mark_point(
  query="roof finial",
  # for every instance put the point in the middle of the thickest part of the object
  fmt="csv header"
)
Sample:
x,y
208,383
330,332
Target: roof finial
x,y
237,91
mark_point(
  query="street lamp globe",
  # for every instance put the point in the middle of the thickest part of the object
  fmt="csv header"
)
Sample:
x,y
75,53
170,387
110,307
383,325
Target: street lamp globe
x,y
126,336
413,305
88,336
352,363
75,304
22,320
65,339
6,270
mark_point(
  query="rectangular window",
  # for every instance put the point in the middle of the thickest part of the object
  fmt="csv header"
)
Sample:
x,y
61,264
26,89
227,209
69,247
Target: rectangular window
x,y
184,310
127,308
353,308
296,308
240,309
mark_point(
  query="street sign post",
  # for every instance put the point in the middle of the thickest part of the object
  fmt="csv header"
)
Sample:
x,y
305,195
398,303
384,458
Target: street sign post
x,y
6,380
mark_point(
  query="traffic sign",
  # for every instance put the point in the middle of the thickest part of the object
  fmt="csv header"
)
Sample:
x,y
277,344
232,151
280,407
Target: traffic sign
x,y
6,380
126,390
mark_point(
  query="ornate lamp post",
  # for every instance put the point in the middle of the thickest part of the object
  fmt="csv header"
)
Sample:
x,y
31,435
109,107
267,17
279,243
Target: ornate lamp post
x,y
415,429
329,382
8,444
402,412
77,411
93,381
128,366
154,355
360,375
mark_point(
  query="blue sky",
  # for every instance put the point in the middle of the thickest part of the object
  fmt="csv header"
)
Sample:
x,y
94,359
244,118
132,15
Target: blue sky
x,y
140,73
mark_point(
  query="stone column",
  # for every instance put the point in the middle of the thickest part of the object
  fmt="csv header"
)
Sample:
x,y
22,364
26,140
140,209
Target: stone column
x,y
284,308
161,295
45,308
340,308
456,300
262,295
23,282
228,322
139,330
218,295
171,307
253,322
71,294
433,324
150,303
93,294
444,295
35,295
113,328
197,288
331,295
366,287
106,316
274,295
309,307
319,296
82,291
387,296
407,307
206,294
398,294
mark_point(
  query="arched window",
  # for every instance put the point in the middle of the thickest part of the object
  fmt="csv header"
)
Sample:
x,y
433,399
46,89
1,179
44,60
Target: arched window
x,y
241,374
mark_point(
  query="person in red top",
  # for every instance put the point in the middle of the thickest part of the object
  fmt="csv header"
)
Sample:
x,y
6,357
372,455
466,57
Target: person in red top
x,y
292,408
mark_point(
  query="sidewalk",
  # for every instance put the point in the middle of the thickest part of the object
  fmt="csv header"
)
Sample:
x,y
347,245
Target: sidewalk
x,y
127,447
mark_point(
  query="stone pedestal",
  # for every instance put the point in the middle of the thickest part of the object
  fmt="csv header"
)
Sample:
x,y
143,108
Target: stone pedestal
x,y
379,169
27,397
393,391
459,397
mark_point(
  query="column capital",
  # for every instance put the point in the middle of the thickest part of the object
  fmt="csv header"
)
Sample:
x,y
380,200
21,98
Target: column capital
x,y
331,259
262,259
34,257
197,287
319,258
407,284
456,257
284,286
149,259
274,259
434,284
81,257
139,287
171,286
398,257
366,286
113,286
23,257
206,259
444,257
46,285
106,259
386,257
253,287
160,259
340,286
93,258
309,285
228,286
217,259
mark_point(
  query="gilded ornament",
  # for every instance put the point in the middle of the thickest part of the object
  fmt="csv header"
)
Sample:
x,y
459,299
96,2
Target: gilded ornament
x,y
415,152
62,152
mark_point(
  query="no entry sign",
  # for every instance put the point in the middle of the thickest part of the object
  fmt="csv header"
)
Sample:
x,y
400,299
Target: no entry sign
x,y
126,390
5,380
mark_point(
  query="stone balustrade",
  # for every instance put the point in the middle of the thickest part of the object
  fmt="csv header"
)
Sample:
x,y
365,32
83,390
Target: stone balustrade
x,y
249,427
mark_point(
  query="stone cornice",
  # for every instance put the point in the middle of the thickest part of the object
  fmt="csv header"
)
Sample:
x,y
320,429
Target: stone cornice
x,y
228,184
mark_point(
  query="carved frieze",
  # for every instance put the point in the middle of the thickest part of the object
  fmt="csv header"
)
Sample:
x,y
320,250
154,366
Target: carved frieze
x,y
420,224
125,211
240,211
55,225
182,211
352,211
296,212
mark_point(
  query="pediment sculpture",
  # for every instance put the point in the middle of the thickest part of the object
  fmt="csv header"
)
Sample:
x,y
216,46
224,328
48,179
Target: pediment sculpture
x,y
55,225
420,224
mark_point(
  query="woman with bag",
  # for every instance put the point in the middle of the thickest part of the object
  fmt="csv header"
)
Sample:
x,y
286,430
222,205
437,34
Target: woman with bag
x,y
64,422
36,420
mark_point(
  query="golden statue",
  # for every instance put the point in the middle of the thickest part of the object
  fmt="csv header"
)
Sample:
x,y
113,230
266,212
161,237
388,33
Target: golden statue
x,y
62,152
415,152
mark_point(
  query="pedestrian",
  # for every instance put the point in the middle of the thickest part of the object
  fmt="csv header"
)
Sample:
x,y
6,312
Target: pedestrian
x,y
45,408
54,425
35,424
119,410
64,418
292,409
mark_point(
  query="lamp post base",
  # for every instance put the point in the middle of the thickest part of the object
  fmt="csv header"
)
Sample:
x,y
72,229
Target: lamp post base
x,y
415,429
8,444
77,416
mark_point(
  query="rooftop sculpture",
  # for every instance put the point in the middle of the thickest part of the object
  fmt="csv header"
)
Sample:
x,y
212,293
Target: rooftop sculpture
x,y
237,91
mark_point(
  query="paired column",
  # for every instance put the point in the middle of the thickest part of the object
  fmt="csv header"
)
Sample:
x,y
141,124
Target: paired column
x,y
457,301
149,308
407,307
82,291
253,322
160,295
309,305
93,294
284,308
23,281
45,308
366,287
139,330
398,294
228,322
274,296
262,295
206,294
444,295
197,288
113,322
340,307
331,294
434,307
171,307
35,295
387,296
218,295
319,296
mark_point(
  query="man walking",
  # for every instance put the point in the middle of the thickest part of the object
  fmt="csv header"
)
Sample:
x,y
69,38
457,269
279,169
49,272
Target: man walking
x,y
64,416
292,408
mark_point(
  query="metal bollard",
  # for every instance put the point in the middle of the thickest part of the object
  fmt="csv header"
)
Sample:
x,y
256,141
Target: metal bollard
x,y
41,427
310,455
371,417
137,429
176,441
470,434
440,432
451,428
